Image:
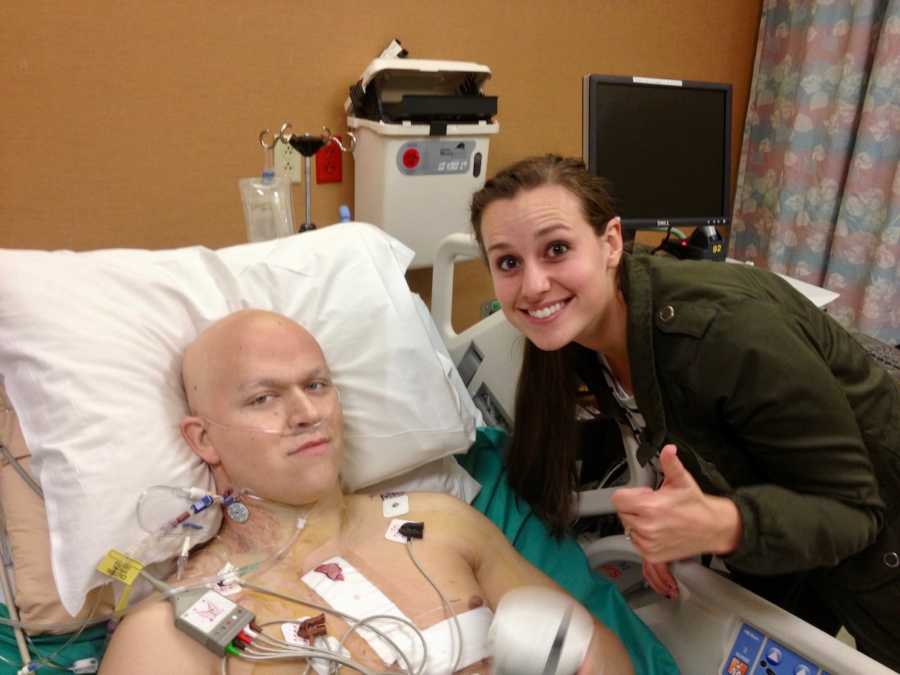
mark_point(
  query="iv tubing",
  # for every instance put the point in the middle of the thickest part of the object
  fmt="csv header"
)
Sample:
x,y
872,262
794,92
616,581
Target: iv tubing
x,y
240,572
14,615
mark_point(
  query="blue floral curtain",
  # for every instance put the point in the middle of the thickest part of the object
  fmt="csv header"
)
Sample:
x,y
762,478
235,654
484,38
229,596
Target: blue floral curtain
x,y
818,193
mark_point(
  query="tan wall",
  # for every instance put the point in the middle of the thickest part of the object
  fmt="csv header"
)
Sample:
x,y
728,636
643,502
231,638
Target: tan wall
x,y
127,124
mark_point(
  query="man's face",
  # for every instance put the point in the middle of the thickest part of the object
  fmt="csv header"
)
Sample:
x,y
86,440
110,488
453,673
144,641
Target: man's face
x,y
276,419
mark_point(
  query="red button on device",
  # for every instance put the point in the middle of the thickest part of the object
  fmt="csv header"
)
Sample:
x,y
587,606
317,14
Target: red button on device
x,y
411,158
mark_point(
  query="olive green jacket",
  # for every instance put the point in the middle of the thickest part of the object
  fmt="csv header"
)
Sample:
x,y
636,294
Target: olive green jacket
x,y
770,403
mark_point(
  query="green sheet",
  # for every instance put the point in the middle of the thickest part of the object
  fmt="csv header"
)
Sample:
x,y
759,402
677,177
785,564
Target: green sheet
x,y
561,559
90,644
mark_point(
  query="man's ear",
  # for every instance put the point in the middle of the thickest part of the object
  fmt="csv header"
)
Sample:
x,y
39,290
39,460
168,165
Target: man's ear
x,y
193,429
613,237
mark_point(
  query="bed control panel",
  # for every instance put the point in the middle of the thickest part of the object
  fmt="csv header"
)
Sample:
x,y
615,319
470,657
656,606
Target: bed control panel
x,y
755,653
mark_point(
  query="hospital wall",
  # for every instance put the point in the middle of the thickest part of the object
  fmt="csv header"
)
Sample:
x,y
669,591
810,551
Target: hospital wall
x,y
128,124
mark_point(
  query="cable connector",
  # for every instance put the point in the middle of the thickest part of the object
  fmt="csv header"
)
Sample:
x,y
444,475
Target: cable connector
x,y
312,628
202,504
412,530
210,618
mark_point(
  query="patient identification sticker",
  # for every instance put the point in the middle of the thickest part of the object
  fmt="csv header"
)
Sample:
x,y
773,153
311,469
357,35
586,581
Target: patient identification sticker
x,y
120,566
394,504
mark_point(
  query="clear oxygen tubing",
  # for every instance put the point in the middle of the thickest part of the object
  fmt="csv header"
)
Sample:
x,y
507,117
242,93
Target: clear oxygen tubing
x,y
300,431
279,427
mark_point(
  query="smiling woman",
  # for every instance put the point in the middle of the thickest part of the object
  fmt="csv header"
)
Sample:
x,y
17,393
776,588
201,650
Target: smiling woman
x,y
554,276
695,361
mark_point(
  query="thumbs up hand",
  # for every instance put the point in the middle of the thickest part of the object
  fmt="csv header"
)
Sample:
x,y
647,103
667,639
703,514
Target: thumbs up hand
x,y
678,520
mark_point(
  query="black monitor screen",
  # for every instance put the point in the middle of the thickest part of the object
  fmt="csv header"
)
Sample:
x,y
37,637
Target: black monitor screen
x,y
664,148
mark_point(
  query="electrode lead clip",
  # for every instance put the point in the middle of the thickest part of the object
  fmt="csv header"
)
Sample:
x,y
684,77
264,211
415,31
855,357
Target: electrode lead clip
x,y
312,628
412,530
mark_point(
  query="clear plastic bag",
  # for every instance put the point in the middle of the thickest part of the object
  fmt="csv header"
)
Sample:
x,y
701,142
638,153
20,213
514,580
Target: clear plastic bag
x,y
268,211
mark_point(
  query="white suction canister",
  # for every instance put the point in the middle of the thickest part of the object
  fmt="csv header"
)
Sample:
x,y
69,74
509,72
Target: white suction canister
x,y
539,631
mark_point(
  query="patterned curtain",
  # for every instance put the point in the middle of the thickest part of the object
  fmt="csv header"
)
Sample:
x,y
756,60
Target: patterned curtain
x,y
818,191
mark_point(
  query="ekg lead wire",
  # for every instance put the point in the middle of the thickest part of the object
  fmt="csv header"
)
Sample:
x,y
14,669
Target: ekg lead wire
x,y
449,610
351,620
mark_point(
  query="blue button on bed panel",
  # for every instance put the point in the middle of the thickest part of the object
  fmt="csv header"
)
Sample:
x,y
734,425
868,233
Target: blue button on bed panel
x,y
744,652
788,662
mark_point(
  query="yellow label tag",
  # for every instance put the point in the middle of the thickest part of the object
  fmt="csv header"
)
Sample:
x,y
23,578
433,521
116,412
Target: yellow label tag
x,y
119,566
122,604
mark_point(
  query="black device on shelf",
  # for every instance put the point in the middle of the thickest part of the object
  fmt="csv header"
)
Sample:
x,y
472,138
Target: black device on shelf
x,y
665,148
705,243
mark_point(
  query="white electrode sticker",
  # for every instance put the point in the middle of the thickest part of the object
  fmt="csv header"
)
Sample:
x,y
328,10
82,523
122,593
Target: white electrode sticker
x,y
393,531
228,581
291,636
394,504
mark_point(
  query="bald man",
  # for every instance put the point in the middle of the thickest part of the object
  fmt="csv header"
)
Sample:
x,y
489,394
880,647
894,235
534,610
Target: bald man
x,y
265,416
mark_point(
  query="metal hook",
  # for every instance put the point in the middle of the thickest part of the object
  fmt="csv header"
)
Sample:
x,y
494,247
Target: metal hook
x,y
286,132
262,139
347,148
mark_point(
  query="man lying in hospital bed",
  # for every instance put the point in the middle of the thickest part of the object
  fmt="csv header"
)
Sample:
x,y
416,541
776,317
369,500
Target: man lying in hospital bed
x,y
98,447
266,416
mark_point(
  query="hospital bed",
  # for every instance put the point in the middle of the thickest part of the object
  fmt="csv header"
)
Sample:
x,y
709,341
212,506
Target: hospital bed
x,y
714,625
90,346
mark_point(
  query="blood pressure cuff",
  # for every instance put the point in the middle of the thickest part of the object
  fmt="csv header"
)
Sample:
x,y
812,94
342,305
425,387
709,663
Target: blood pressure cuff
x,y
561,559
91,643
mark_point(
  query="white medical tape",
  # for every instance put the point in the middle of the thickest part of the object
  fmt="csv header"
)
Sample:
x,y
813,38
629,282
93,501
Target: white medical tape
x,y
442,647
345,589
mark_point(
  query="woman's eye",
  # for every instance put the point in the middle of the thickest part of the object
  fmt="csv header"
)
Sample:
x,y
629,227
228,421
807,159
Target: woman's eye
x,y
557,248
506,263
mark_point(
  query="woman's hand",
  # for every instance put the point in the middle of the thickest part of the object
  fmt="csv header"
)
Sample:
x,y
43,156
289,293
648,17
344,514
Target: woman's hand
x,y
678,520
660,579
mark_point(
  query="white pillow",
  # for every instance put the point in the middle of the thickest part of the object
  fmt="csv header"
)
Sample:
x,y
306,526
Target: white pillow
x,y
91,343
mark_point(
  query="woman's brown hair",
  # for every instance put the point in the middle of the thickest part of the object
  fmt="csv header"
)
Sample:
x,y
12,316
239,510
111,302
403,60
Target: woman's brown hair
x,y
543,448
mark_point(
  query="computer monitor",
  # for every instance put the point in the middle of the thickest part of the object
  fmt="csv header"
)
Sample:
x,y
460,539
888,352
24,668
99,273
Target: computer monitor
x,y
665,147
